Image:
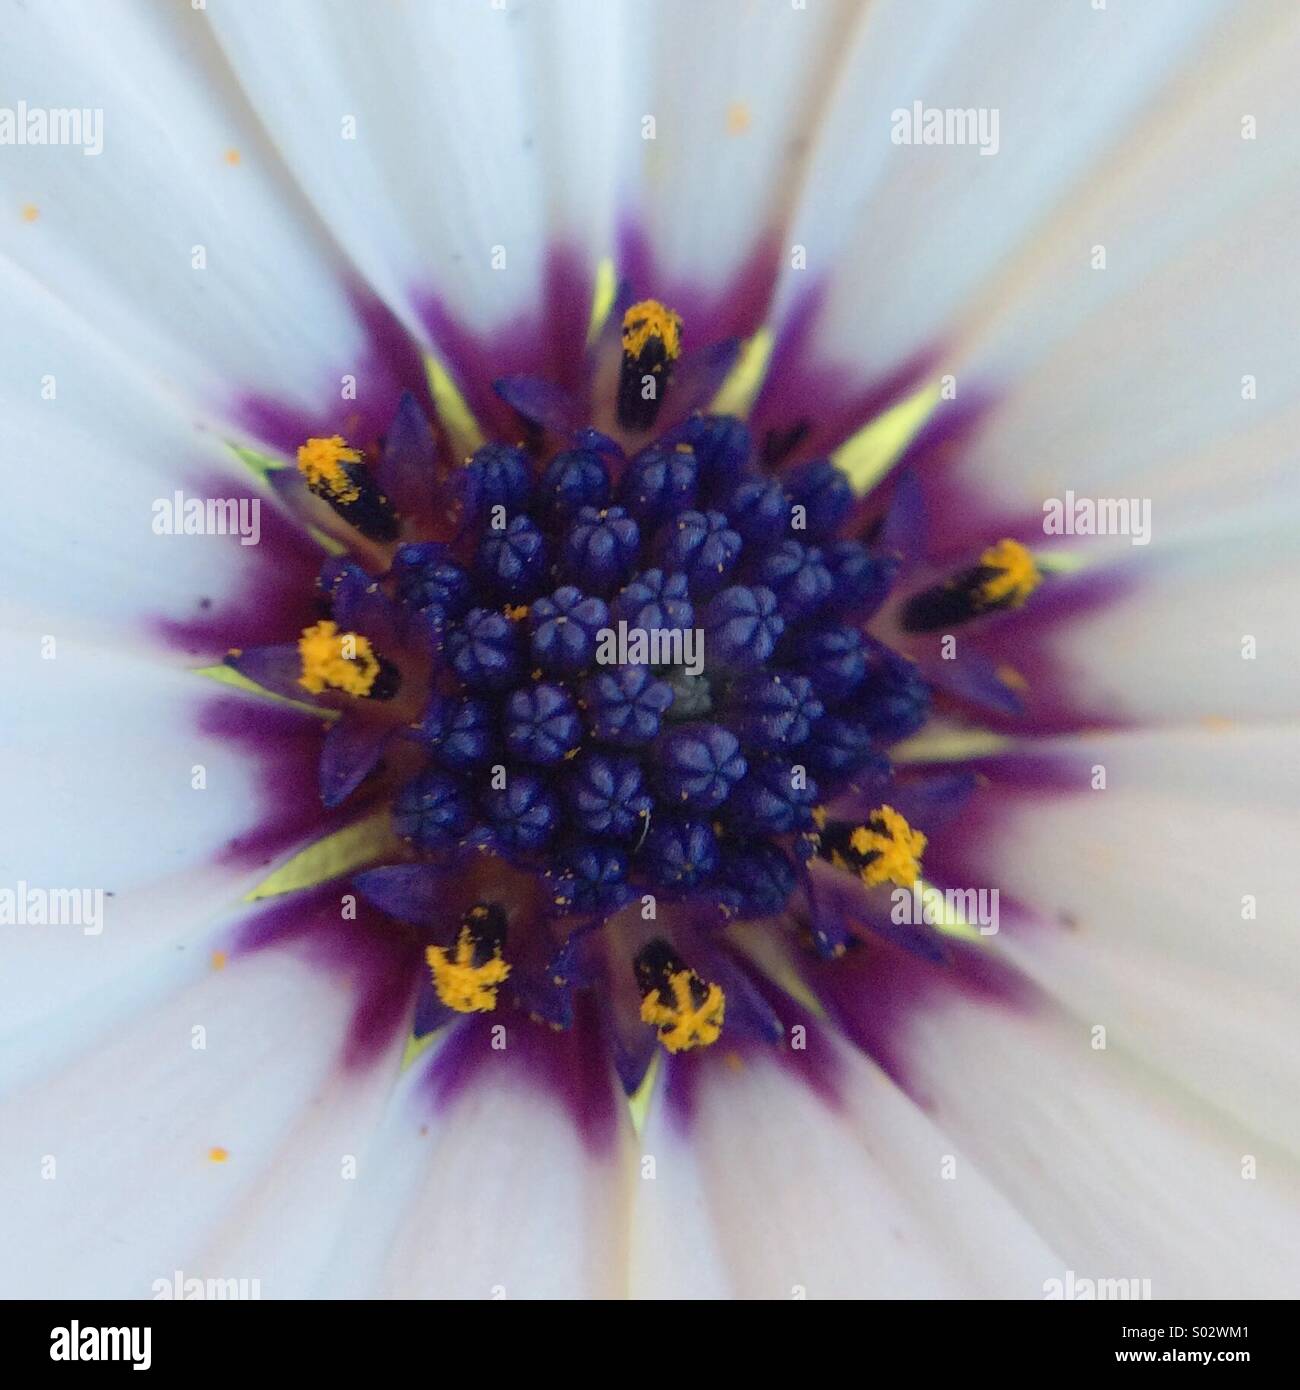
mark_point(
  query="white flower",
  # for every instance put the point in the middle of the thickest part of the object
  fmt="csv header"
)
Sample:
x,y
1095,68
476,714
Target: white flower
x,y
288,205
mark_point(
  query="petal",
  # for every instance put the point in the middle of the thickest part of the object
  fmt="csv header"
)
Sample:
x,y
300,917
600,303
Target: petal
x,y
495,1196
449,150
114,1156
1139,896
830,1200
181,240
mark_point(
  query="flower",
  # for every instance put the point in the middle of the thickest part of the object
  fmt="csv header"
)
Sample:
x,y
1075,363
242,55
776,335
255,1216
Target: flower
x,y
296,235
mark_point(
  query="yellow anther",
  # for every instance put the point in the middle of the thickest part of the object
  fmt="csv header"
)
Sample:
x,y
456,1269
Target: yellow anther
x,y
895,849
321,462
334,660
1015,575
683,1023
462,985
647,321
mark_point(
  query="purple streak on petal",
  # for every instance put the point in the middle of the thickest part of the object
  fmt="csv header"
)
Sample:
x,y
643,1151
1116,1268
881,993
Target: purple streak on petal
x,y
379,958
389,363
902,531
734,309
1034,641
413,893
351,752
875,992
273,599
285,745
813,1064
547,343
834,400
572,1064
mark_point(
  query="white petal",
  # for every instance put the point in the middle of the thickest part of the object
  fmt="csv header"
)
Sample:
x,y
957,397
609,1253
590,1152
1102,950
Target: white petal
x,y
97,450
774,1193
1203,631
116,234
435,140
496,1196
1124,1175
910,231
1139,892
737,92
107,1160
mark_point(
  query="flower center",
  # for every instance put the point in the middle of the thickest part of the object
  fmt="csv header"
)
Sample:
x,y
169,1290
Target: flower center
x,y
619,697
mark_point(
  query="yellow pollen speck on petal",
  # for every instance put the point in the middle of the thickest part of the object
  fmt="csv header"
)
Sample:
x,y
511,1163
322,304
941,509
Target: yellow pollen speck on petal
x,y
1008,675
682,1023
739,118
218,960
517,612
232,156
30,212
463,986
321,462
895,849
1015,575
217,1154
334,660
649,320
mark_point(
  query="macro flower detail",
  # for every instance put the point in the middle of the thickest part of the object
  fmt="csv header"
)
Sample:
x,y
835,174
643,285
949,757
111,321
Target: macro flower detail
x,y
625,626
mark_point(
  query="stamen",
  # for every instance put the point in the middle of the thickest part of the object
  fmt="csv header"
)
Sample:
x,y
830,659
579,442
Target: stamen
x,y
1013,575
686,1010
334,660
651,344
885,849
1004,578
337,474
467,979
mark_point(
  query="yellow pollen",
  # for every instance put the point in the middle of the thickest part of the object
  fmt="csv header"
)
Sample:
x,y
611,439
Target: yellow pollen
x,y
232,156
896,846
218,960
218,1155
462,985
738,118
518,612
682,1024
1015,575
334,660
30,212
648,320
321,462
